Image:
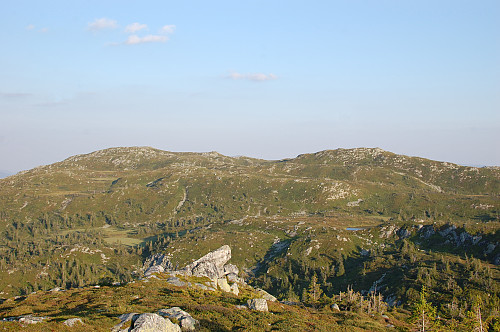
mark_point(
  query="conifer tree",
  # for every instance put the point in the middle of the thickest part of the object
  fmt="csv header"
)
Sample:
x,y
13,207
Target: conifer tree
x,y
424,314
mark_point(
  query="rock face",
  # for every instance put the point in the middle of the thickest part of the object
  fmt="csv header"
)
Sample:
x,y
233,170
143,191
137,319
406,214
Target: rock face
x,y
257,304
153,323
186,322
211,265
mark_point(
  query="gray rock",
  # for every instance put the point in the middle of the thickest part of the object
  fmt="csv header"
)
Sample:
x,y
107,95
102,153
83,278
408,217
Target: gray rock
x,y
211,265
176,281
387,231
186,322
72,321
335,306
265,295
153,323
231,269
257,304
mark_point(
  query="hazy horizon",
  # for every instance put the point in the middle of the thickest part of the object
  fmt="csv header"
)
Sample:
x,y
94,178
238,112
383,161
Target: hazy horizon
x,y
263,79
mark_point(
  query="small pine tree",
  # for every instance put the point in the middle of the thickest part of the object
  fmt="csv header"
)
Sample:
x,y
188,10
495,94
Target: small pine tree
x,y
424,314
314,291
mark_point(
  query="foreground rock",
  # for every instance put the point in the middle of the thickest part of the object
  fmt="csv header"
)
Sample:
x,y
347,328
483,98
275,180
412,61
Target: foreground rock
x,y
185,320
152,323
258,304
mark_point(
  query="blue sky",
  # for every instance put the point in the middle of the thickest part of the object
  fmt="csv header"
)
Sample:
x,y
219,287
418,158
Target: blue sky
x,y
268,79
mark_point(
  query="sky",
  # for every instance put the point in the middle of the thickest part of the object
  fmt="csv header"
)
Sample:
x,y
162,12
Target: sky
x,y
266,79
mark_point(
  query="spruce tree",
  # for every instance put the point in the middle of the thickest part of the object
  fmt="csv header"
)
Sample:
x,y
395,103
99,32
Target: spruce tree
x,y
424,314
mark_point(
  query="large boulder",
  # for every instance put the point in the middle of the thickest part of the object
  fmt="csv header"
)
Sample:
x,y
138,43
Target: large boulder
x,y
211,265
257,304
185,320
153,323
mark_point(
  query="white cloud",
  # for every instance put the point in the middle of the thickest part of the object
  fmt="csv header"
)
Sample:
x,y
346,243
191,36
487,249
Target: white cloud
x,y
134,39
101,24
134,27
44,30
167,29
30,27
257,77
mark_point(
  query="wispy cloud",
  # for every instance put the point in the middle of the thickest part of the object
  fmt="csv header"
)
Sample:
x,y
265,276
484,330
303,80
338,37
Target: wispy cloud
x,y
30,27
256,77
167,29
134,39
15,95
102,24
134,27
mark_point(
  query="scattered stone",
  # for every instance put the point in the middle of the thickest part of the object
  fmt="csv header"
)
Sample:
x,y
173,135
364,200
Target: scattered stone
x,y
72,321
335,306
258,304
29,319
153,322
385,317
159,260
241,307
185,320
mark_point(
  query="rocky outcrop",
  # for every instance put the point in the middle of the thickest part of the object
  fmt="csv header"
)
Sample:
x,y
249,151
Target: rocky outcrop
x,y
185,320
157,263
211,265
257,304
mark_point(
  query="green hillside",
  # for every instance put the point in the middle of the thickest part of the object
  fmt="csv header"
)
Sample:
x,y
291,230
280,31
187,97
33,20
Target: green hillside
x,y
362,218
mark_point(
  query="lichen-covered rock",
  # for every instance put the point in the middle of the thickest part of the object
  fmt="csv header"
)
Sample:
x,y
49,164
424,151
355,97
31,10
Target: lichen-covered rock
x,y
257,304
153,323
231,269
265,295
72,321
186,321
211,265
223,285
